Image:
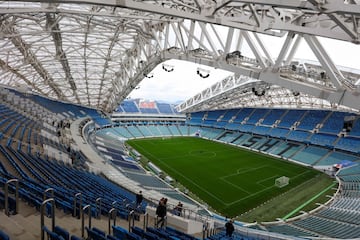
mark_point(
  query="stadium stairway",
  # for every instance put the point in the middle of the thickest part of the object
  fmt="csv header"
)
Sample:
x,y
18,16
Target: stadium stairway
x,y
27,223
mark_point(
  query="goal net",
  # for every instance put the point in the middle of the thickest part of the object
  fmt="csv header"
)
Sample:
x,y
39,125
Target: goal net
x,y
281,181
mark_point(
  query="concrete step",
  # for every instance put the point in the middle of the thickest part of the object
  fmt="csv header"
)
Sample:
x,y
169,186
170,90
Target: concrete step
x,y
26,224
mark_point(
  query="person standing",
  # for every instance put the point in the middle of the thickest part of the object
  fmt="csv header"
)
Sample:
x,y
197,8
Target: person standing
x,y
161,212
139,198
229,228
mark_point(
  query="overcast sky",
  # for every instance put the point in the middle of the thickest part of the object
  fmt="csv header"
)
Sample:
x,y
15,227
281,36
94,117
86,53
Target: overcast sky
x,y
183,82
180,84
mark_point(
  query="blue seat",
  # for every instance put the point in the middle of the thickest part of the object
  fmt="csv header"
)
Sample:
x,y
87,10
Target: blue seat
x,y
132,236
73,237
119,232
150,236
110,237
62,232
4,236
158,232
138,231
94,235
52,235
101,232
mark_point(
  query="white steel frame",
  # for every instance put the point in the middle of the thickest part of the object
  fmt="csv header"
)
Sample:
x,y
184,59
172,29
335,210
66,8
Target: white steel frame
x,y
95,53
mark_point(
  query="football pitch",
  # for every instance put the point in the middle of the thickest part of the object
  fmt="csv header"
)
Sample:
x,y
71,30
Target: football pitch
x,y
229,179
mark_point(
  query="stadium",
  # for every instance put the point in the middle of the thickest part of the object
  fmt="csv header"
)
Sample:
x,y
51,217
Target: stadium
x,y
274,146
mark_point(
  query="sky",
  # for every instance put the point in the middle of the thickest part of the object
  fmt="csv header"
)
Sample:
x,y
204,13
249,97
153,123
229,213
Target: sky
x,y
183,82
180,84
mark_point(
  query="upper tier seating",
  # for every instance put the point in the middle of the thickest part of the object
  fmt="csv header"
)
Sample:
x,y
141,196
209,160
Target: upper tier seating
x,y
311,119
335,123
129,107
146,107
273,116
290,118
258,114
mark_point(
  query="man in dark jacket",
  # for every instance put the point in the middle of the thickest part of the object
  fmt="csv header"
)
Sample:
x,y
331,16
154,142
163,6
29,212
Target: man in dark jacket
x,y
139,198
161,212
229,227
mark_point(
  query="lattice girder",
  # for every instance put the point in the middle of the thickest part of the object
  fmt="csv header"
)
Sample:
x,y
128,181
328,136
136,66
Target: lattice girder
x,y
95,52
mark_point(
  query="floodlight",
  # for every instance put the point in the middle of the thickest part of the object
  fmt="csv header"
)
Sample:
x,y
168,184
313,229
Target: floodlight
x,y
168,68
258,92
150,75
203,72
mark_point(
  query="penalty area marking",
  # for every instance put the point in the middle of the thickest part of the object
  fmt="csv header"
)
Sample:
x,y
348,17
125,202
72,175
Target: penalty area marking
x,y
201,188
202,153
238,172
234,185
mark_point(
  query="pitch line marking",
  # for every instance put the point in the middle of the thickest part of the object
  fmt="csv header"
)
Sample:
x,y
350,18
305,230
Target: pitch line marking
x,y
238,172
249,169
234,185
263,180
254,194
204,190
223,178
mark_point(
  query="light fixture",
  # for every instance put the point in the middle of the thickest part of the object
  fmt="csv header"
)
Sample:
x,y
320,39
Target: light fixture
x,y
203,72
150,75
258,92
168,68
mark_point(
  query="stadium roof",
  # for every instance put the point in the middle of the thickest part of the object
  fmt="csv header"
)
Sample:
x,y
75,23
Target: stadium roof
x,y
95,53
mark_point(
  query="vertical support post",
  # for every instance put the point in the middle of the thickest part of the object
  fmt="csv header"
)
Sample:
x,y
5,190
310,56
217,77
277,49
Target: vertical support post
x,y
146,220
112,215
42,209
88,207
75,203
7,212
98,207
131,219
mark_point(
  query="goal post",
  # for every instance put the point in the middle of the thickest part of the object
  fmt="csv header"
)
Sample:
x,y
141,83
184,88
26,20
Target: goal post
x,y
281,182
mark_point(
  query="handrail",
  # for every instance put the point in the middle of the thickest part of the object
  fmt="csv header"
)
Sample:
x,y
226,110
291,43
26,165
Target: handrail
x,y
113,203
131,217
51,190
83,219
42,224
98,207
112,215
146,220
16,181
75,201
186,213
205,230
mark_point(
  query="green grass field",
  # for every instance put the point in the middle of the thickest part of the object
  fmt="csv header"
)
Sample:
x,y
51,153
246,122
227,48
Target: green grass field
x,y
229,179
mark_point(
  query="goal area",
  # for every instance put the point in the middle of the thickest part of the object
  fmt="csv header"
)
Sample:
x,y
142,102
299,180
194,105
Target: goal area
x,y
281,182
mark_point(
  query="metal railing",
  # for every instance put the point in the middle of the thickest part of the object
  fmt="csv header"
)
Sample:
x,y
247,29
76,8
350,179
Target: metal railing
x,y
7,210
75,204
98,208
87,207
131,219
49,190
185,213
52,215
112,216
146,220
